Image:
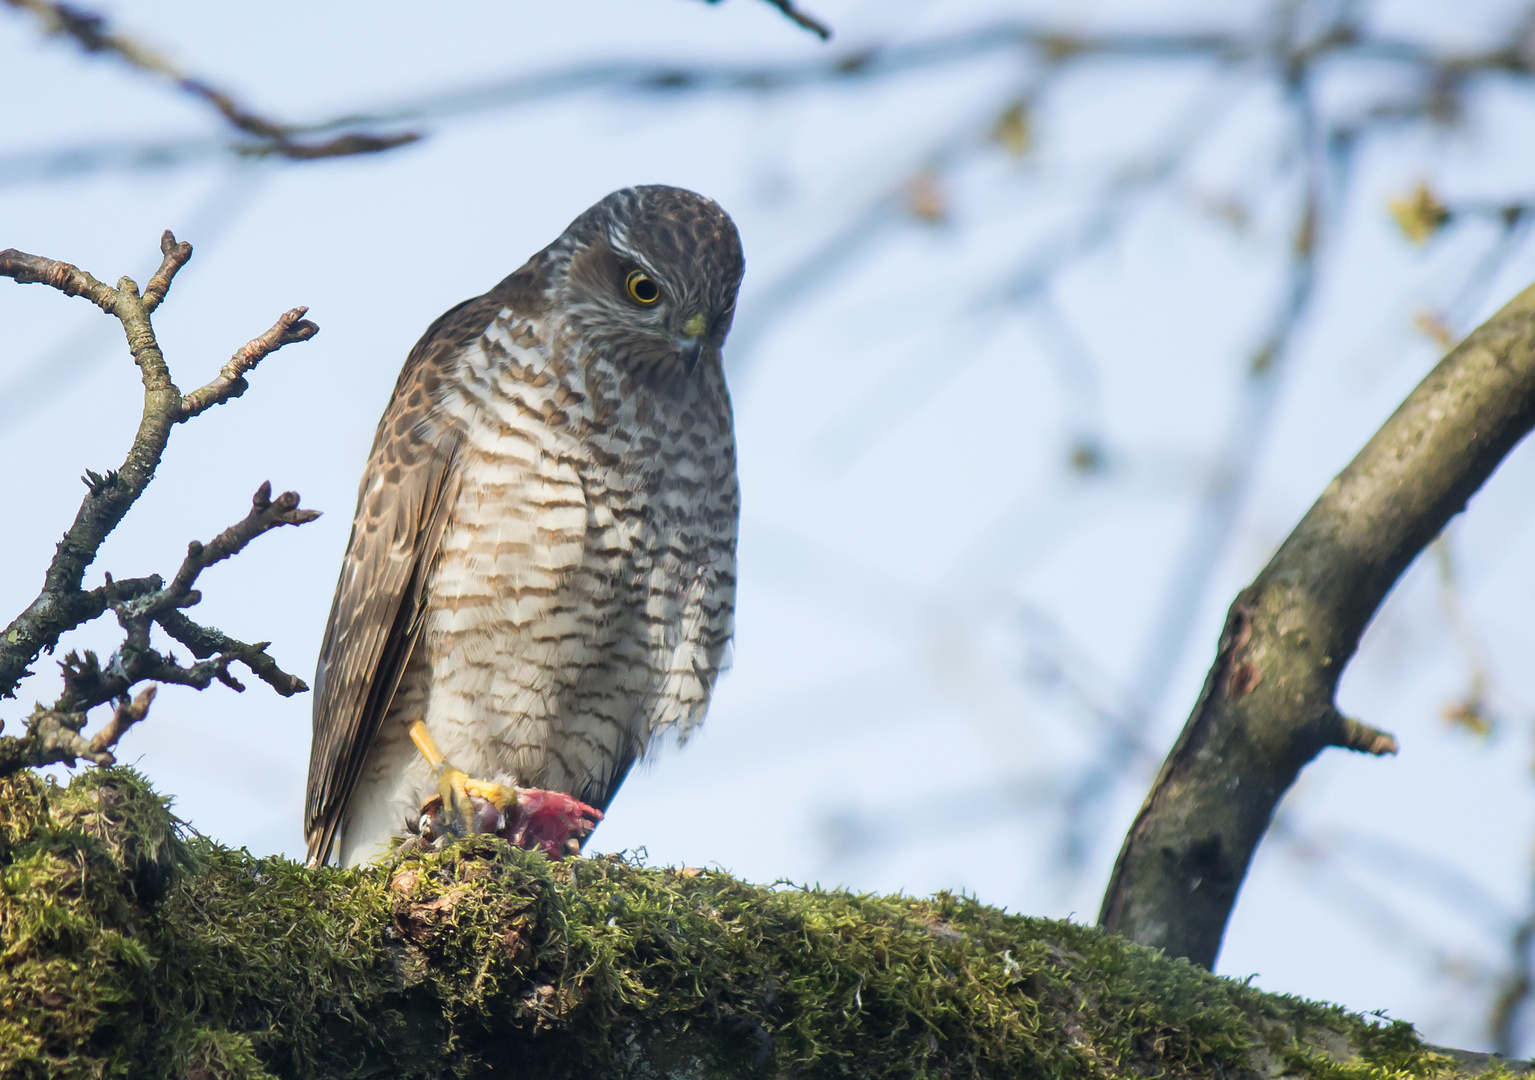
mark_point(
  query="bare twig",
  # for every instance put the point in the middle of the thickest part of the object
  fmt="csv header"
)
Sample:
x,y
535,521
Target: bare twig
x,y
90,32
205,641
54,734
70,280
265,516
801,19
1267,705
798,17
88,683
124,717
173,257
51,738
230,383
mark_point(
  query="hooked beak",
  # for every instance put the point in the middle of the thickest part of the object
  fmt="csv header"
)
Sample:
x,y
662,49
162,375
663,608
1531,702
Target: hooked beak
x,y
689,349
690,346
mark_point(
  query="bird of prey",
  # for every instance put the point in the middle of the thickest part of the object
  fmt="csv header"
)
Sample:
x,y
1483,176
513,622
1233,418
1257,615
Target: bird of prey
x,y
540,580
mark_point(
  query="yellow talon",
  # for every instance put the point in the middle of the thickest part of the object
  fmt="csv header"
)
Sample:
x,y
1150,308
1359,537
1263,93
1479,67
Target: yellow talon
x,y
499,794
452,786
456,788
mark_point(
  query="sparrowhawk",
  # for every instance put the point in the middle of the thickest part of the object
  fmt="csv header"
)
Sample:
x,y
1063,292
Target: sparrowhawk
x,y
540,579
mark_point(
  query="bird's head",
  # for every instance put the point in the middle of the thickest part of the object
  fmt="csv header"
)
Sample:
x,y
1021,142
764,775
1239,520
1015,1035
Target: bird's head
x,y
651,281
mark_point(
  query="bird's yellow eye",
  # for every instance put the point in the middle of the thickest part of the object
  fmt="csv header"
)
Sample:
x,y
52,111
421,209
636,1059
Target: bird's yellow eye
x,y
642,287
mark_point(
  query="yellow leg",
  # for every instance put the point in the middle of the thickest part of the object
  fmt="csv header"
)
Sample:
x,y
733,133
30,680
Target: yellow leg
x,y
427,745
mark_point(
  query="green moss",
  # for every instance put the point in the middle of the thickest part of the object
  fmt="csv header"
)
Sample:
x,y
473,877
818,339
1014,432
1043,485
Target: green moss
x,y
206,1053
78,869
129,950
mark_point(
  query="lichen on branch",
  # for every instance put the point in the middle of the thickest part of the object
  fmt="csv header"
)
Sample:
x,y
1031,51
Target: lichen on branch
x,y
55,733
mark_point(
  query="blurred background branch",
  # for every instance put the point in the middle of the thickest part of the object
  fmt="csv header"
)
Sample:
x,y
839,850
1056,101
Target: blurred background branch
x,y
1290,52
798,17
267,137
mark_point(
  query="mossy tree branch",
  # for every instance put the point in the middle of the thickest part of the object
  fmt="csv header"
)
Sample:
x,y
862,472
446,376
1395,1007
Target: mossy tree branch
x,y
1267,707
185,959
54,734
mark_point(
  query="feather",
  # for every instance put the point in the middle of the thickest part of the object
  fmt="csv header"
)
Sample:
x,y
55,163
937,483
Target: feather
x,y
376,616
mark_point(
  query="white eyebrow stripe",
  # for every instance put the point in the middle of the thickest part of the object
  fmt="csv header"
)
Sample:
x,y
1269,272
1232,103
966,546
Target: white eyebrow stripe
x,y
618,239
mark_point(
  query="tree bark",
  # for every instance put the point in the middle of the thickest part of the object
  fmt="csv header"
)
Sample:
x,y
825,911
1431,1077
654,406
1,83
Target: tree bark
x,y
1267,707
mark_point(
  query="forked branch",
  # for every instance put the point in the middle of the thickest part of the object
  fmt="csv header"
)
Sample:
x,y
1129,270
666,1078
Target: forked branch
x,y
54,734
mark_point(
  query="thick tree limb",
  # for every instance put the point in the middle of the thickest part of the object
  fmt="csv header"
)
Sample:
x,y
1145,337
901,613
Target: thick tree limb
x,y
191,960
1267,705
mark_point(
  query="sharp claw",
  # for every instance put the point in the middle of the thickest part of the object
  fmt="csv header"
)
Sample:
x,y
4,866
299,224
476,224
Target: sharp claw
x,y
464,805
458,807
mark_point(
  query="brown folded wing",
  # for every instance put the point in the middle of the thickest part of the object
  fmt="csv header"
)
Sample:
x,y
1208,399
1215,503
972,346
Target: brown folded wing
x,y
403,504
